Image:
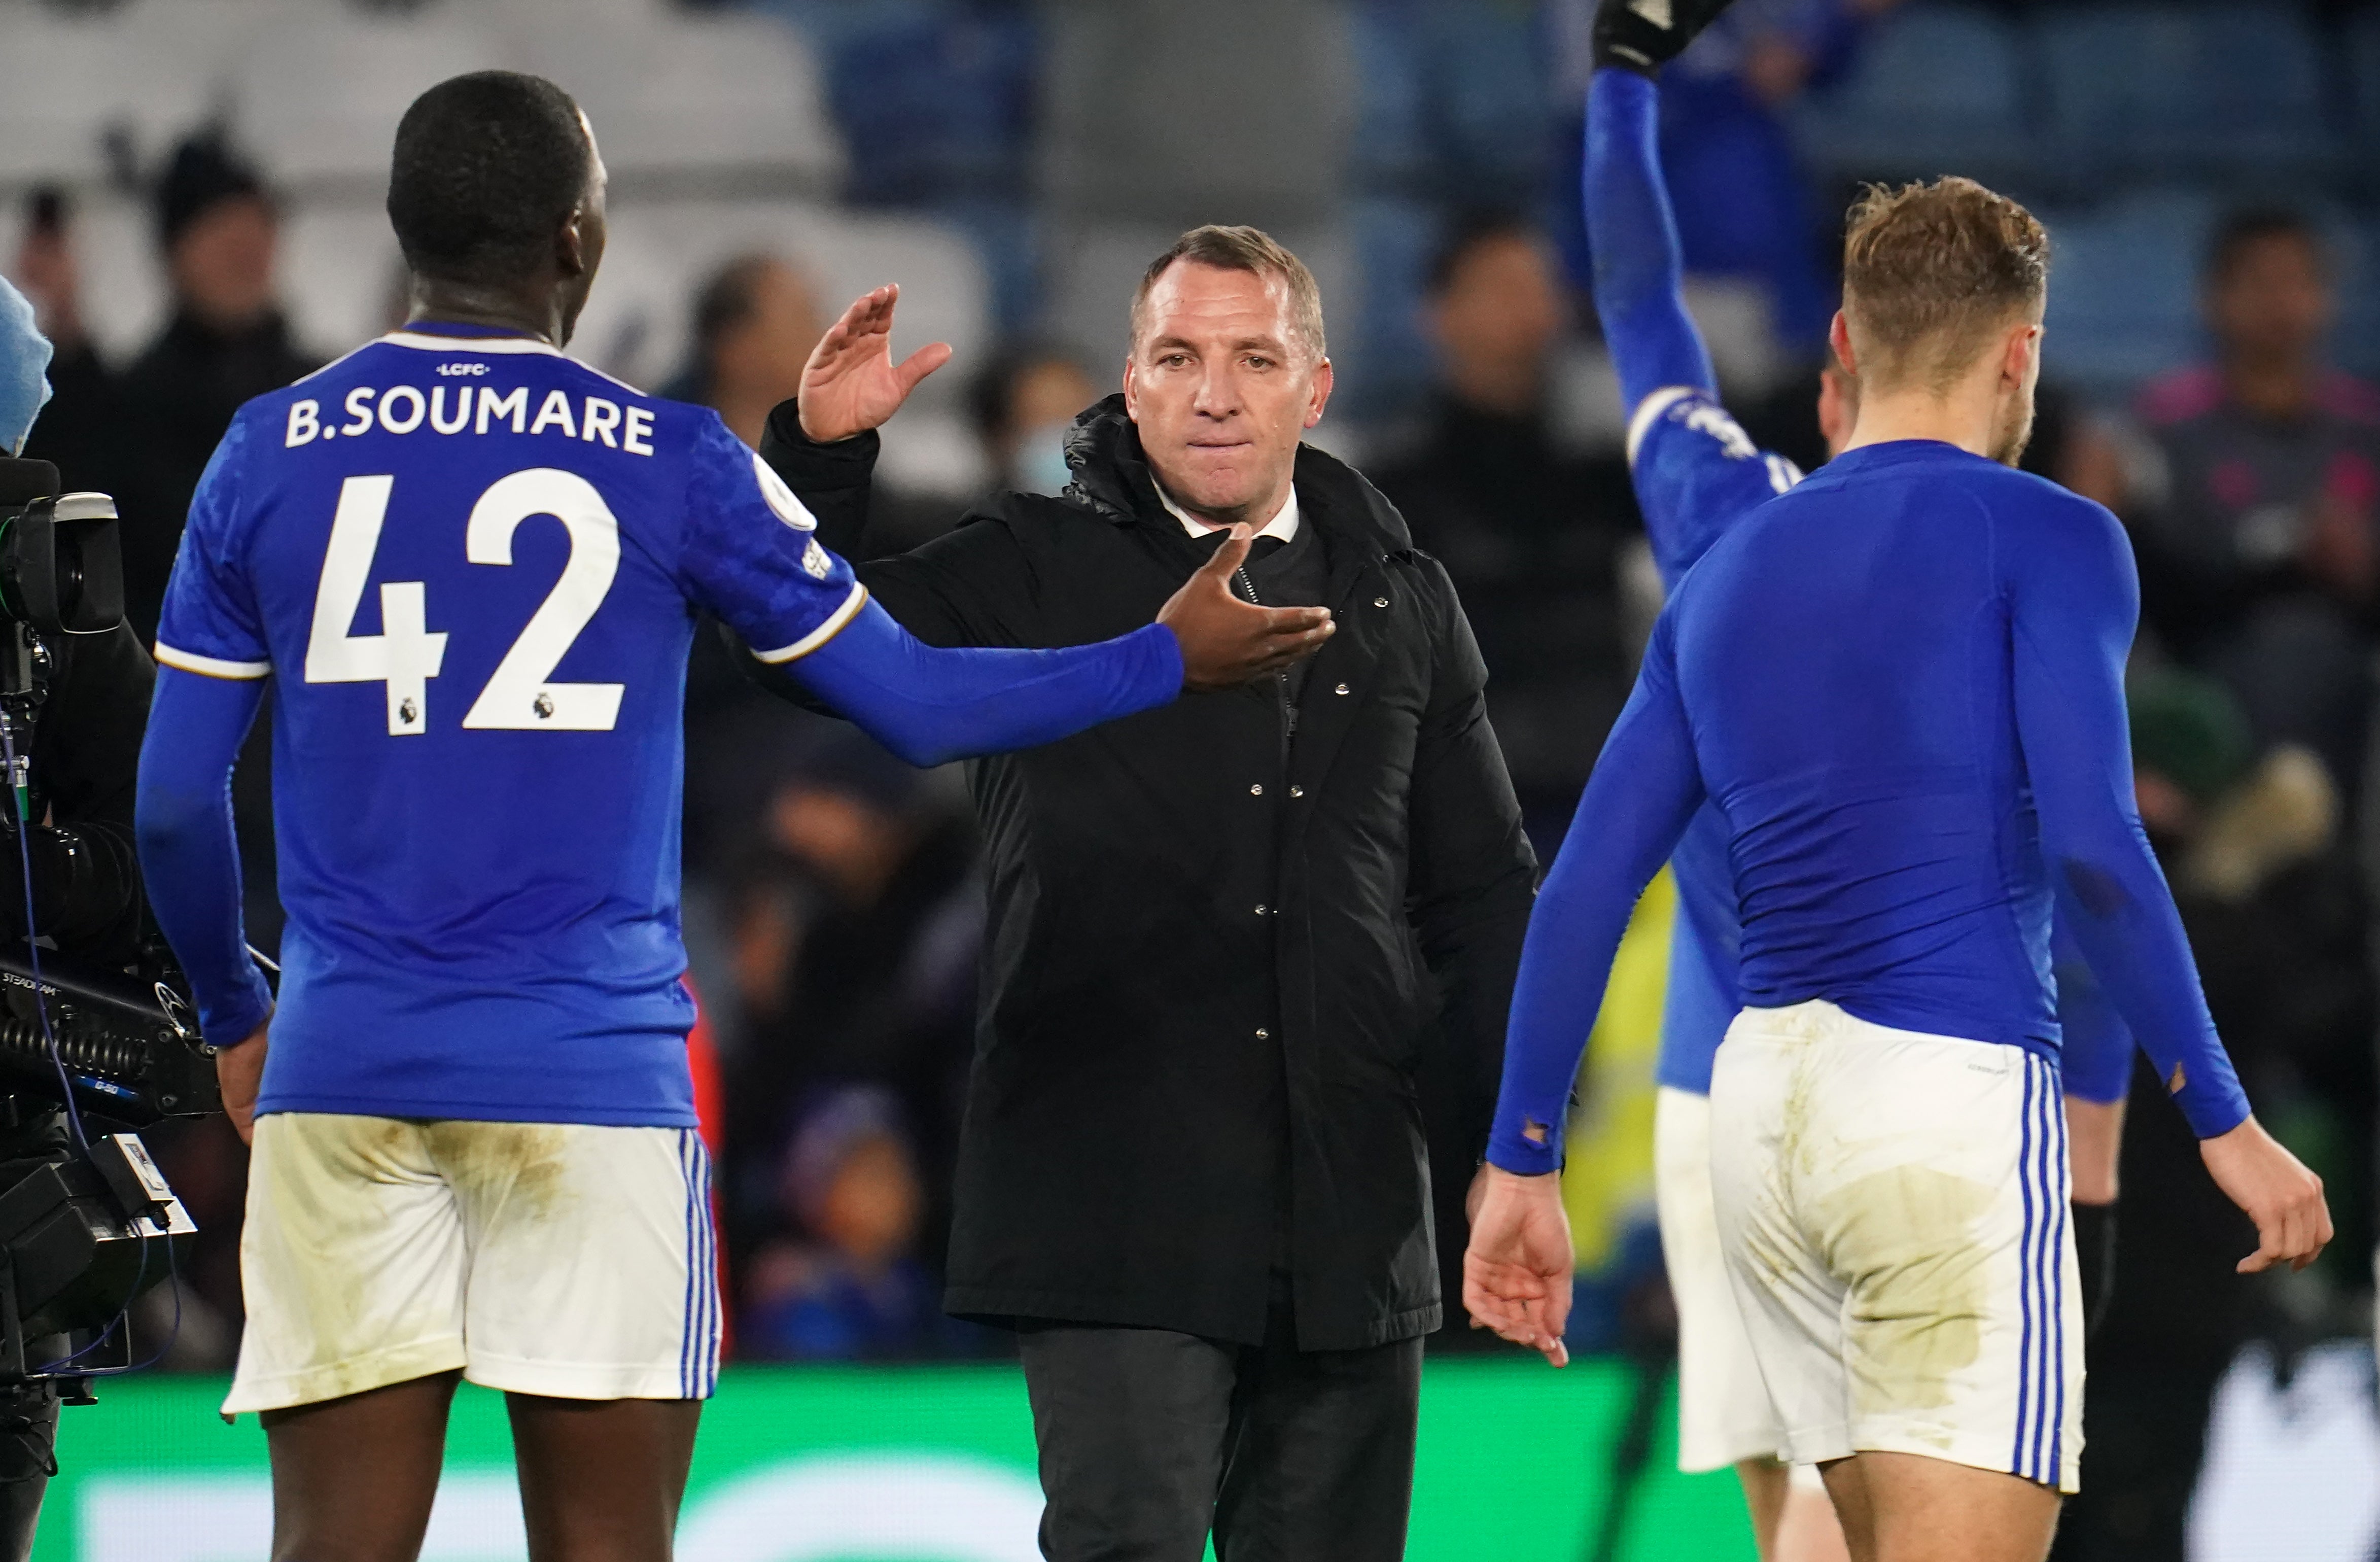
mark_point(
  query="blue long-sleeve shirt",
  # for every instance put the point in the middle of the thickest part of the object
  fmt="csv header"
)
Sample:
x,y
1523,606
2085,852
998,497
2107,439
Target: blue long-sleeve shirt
x,y
1697,475
468,569
1902,685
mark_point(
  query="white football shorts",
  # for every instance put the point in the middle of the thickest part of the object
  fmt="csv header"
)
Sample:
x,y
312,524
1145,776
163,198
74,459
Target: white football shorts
x,y
557,1259
1724,1416
1893,1211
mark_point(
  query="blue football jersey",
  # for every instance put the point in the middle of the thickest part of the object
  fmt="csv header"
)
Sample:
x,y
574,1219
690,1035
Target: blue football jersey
x,y
471,568
1696,473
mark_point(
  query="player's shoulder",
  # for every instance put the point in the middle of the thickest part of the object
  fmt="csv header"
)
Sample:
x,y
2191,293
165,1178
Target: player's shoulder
x,y
2041,525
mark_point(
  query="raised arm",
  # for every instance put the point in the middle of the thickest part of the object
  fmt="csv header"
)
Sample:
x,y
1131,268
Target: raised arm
x,y
1639,268
2075,601
1696,471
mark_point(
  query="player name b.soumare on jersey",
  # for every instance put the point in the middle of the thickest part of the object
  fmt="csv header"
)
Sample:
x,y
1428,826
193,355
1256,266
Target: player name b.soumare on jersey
x,y
471,565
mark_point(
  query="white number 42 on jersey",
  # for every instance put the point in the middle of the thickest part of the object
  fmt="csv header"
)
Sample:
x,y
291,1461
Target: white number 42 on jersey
x,y
520,695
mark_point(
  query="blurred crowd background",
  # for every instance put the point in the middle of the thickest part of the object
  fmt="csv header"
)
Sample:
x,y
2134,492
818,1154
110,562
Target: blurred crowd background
x,y
190,191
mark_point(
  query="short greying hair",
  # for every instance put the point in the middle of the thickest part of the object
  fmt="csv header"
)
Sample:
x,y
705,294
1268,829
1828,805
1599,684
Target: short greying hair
x,y
1249,250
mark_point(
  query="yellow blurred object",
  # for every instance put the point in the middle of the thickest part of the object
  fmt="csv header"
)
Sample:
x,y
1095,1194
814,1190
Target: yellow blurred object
x,y
1607,1182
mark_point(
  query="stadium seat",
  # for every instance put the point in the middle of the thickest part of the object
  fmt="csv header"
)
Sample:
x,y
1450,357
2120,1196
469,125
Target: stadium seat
x,y
123,289
73,84
1939,88
2228,88
2123,292
341,275
638,323
2359,296
2363,76
736,98
317,96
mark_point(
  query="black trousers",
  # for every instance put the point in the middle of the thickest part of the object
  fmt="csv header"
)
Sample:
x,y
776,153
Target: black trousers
x,y
1150,1439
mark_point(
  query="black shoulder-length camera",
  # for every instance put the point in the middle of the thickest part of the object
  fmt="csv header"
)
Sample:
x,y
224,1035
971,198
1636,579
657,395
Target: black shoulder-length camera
x,y
61,566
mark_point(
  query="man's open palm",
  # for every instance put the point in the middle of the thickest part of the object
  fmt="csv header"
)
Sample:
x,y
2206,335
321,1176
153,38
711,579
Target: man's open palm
x,y
1516,1273
850,384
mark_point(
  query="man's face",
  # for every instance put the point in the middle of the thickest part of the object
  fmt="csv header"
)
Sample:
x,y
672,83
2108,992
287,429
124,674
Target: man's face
x,y
222,262
1222,386
763,357
1500,313
588,225
2273,300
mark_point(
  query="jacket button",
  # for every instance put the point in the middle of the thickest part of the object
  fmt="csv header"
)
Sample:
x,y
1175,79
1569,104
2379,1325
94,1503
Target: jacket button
x,y
1341,689
1380,602
1257,790
1297,791
1263,1034
1260,911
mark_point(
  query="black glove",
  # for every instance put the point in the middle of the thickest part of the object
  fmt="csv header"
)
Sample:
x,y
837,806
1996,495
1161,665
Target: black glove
x,y
1644,35
2095,1254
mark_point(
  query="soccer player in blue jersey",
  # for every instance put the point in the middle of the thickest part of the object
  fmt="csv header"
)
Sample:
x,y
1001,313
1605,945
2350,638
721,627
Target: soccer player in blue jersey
x,y
1899,684
469,567
1696,473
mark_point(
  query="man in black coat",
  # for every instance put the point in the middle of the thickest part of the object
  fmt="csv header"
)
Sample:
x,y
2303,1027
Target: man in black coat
x,y
1193,1173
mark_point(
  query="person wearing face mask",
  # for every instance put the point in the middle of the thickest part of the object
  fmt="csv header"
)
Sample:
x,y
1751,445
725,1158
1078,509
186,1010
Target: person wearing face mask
x,y
1022,404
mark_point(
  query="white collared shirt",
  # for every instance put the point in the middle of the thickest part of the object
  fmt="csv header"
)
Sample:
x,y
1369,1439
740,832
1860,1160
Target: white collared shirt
x,y
1282,525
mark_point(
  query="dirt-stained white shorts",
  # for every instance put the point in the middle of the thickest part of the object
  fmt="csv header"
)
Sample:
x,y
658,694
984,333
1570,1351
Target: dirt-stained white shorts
x,y
555,1259
1724,1416
1892,1207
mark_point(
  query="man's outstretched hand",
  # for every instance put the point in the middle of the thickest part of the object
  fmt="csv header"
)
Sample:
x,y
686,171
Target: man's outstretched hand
x,y
850,384
1644,35
1516,1271
1226,640
2277,1192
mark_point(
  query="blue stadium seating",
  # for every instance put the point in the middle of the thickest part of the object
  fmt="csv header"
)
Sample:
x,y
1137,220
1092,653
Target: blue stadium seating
x,y
1938,88
2231,89
2124,291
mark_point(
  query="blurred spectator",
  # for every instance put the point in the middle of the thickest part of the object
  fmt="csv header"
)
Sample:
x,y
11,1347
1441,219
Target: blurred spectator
x,y
853,926
1022,404
850,1286
225,342
2276,917
77,430
1532,533
755,323
2254,514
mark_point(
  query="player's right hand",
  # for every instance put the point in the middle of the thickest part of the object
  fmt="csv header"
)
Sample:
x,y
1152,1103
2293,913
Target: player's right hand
x,y
850,384
1226,640
2257,1172
1516,1273
239,1071
1644,35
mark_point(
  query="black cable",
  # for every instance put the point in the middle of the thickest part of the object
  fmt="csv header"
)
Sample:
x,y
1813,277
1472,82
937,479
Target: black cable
x,y
21,800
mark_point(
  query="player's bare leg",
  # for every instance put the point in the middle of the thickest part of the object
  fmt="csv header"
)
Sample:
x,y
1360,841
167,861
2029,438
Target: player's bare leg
x,y
353,1479
1906,1507
1765,1484
1807,1530
601,1479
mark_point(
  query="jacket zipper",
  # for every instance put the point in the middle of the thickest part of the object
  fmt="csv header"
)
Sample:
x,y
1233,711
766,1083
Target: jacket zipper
x,y
1247,589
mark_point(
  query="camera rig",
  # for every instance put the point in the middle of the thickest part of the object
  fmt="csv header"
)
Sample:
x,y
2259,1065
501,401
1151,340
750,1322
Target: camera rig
x,y
87,1057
